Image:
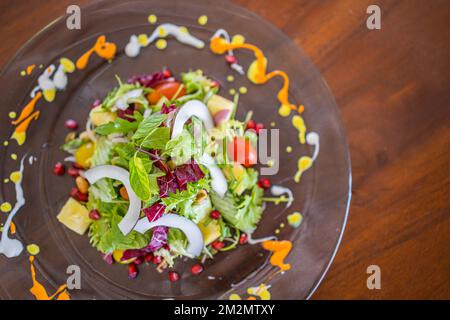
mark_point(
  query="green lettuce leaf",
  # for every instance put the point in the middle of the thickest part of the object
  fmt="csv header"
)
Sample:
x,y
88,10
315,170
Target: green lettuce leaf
x,y
157,138
147,125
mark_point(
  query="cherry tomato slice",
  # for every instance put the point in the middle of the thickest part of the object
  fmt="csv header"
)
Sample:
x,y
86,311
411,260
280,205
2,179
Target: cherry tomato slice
x,y
167,89
242,151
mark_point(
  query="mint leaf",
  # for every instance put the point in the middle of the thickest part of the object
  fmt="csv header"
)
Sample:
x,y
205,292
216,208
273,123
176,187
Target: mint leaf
x,y
118,126
139,179
148,125
157,139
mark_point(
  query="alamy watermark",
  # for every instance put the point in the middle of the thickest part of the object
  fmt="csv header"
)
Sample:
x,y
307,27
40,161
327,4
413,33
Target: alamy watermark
x,y
373,22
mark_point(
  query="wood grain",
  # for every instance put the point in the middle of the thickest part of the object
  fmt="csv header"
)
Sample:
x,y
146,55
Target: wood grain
x,y
392,87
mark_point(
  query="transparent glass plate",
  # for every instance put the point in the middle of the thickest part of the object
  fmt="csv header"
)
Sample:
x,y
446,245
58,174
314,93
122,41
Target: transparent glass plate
x,y
322,196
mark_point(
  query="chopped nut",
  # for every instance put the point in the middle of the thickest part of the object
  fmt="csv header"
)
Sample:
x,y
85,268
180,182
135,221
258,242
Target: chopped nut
x,y
70,136
123,193
82,184
201,195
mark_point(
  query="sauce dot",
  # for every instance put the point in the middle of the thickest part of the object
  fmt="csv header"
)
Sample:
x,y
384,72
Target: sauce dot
x,y
15,176
184,30
272,124
5,143
295,219
23,73
33,249
14,156
12,115
143,39
238,39
243,90
152,19
161,44
6,180
277,231
232,92
202,20
230,78
5,207
235,296
288,149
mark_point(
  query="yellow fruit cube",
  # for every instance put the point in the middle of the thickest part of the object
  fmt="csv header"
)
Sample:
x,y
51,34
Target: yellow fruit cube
x,y
210,232
99,116
74,216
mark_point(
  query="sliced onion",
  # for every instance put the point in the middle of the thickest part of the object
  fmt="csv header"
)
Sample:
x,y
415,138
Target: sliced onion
x,y
218,181
190,229
193,108
107,171
122,102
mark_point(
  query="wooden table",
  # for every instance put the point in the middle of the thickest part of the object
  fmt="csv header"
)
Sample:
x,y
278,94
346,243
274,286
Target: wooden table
x,y
392,86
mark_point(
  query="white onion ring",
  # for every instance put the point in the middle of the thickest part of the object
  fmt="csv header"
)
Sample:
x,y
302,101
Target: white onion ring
x,y
192,108
189,228
107,171
218,181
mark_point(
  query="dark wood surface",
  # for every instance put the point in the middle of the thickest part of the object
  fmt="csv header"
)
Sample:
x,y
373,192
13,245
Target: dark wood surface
x,y
393,89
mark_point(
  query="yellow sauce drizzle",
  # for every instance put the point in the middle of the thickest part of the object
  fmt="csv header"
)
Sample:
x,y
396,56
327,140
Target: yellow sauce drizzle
x,y
12,228
202,20
280,250
105,50
299,124
38,290
257,72
304,163
152,19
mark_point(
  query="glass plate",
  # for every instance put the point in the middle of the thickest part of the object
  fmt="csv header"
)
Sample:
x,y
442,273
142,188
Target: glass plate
x,y
322,196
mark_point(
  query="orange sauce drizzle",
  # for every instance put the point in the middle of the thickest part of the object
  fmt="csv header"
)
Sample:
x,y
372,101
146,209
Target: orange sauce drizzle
x,y
12,228
220,46
30,69
39,292
103,49
20,132
280,250
28,109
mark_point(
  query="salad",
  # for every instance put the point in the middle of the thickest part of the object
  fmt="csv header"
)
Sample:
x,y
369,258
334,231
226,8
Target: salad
x,y
164,170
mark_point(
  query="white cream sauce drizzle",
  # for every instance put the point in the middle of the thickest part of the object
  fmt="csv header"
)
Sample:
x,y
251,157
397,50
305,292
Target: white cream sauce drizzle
x,y
133,48
312,139
12,247
46,83
277,191
250,240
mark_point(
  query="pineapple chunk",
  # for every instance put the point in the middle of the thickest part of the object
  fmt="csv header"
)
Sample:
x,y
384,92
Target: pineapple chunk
x,y
74,216
99,117
118,254
210,232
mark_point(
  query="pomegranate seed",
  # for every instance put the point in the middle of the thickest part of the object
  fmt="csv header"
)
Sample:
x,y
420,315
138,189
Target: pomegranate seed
x,y
94,214
215,84
59,169
157,259
218,245
77,195
138,260
174,276
71,124
259,127
230,59
251,124
264,183
132,270
215,215
243,238
73,172
167,73
77,166
96,103
148,257
197,268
